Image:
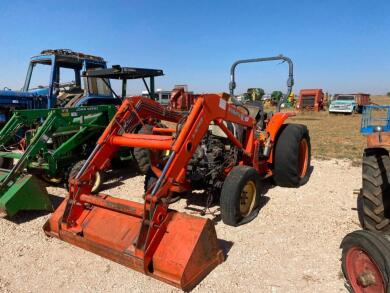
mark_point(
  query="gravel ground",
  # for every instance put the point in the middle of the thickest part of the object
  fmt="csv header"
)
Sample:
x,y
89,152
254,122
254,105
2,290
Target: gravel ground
x,y
292,246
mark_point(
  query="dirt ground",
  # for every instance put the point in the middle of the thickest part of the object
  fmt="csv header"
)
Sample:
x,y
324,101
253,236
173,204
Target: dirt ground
x,y
292,246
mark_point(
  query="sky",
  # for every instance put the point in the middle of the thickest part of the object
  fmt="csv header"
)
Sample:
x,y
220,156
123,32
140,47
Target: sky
x,y
337,45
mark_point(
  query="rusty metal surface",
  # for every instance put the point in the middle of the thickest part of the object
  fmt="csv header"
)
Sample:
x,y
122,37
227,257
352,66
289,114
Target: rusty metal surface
x,y
378,139
317,101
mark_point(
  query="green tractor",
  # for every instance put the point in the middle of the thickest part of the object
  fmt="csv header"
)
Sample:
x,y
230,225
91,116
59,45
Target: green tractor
x,y
53,150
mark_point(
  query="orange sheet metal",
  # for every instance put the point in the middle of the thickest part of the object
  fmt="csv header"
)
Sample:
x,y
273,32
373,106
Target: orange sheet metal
x,y
378,139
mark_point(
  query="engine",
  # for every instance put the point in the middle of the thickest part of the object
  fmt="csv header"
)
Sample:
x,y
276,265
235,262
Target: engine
x,y
206,167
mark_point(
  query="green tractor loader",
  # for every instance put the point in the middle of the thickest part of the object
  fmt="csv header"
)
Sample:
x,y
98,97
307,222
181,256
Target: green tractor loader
x,y
56,142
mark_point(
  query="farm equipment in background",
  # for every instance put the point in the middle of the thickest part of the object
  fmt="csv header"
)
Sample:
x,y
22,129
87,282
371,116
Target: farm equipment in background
x,y
276,96
54,149
366,262
62,87
56,142
253,94
217,146
366,253
181,99
311,100
349,103
373,200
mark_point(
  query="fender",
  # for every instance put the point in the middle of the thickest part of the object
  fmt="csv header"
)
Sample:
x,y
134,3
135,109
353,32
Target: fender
x,y
274,125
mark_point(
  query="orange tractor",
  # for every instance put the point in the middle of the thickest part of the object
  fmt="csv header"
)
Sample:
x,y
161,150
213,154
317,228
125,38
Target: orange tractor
x,y
216,146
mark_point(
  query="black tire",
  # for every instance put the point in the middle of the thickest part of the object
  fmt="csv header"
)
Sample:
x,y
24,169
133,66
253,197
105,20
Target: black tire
x,y
99,176
374,205
231,194
371,244
142,155
6,163
286,169
150,180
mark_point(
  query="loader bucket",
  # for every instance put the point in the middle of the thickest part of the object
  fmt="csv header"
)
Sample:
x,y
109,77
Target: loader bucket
x,y
26,193
187,252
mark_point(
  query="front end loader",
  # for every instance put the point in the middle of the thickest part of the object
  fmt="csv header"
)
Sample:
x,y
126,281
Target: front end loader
x,y
51,149
217,146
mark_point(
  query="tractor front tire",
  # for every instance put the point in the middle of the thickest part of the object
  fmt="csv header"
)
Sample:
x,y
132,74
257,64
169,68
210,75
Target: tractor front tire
x,y
142,155
240,196
98,180
374,198
365,262
292,156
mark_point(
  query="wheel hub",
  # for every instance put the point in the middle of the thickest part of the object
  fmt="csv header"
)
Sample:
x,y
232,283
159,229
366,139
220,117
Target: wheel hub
x,y
366,279
247,199
363,273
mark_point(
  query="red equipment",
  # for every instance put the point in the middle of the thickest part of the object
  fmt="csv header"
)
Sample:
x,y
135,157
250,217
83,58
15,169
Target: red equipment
x,y
170,246
365,262
181,100
311,100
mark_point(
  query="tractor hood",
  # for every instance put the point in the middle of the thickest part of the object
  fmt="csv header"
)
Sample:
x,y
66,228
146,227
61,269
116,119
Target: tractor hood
x,y
18,94
21,100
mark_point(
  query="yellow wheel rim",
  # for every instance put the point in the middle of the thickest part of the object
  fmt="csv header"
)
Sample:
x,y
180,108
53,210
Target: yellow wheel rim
x,y
97,183
247,199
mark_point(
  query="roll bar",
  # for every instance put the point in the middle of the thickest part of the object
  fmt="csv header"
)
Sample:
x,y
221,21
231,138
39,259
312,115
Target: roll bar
x,y
290,80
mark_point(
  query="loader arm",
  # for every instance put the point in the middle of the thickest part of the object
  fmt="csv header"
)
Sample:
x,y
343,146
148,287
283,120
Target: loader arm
x,y
21,118
86,129
14,182
207,108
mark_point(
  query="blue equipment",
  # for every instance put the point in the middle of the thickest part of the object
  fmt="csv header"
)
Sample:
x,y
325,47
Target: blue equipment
x,y
375,118
59,64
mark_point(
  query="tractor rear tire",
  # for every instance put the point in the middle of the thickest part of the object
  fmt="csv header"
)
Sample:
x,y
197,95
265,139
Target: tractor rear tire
x,y
99,177
240,196
292,156
365,262
374,199
142,155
